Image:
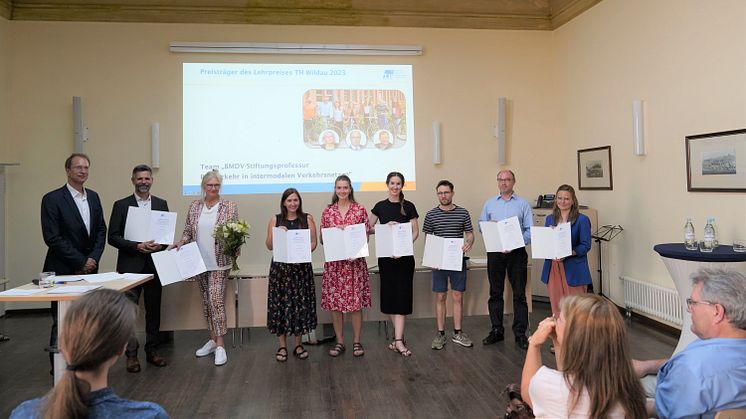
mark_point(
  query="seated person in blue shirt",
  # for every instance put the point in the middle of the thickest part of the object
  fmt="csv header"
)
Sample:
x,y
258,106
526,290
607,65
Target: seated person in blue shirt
x,y
710,374
94,335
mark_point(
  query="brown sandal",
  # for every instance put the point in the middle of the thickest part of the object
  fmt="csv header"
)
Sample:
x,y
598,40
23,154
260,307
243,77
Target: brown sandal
x,y
337,350
404,352
357,349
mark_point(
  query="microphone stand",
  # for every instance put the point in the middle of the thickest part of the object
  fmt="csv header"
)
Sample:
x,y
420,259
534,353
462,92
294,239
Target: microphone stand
x,y
604,233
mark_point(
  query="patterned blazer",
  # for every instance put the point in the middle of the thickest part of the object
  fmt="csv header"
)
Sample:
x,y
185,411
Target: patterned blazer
x,y
227,212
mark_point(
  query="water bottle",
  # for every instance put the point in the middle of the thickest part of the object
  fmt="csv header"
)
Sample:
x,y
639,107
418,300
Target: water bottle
x,y
690,239
715,243
709,239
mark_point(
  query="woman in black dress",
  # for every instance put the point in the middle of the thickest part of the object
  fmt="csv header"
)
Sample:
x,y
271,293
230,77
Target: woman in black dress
x,y
396,273
291,298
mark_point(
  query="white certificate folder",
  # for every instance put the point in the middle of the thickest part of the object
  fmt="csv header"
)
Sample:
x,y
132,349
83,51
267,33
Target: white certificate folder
x,y
443,253
291,246
348,243
551,243
144,225
175,266
394,240
502,236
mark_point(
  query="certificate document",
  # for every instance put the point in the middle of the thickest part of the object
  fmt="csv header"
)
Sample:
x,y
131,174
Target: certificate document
x,y
73,289
551,243
443,253
502,236
348,243
175,266
394,240
291,246
144,225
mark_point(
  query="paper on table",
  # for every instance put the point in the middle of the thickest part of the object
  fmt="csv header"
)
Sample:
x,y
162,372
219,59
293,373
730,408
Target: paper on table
x,y
348,243
73,289
102,277
551,243
443,253
144,225
20,292
291,246
175,266
503,235
135,277
394,240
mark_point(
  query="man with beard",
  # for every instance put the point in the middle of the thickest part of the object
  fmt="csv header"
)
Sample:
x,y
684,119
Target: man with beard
x,y
135,257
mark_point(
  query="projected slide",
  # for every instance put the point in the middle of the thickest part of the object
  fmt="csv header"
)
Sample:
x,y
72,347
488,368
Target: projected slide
x,y
268,127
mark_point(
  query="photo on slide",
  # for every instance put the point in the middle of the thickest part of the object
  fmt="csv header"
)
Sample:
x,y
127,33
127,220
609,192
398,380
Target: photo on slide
x,y
371,113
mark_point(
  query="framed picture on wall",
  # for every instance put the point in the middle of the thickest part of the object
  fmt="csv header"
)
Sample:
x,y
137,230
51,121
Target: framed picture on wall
x,y
716,162
594,168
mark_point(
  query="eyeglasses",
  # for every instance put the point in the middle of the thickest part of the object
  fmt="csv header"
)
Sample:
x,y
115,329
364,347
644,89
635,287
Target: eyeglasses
x,y
212,185
504,180
690,302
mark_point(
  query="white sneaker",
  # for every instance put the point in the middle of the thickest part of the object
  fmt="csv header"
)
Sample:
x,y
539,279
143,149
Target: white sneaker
x,y
207,348
220,356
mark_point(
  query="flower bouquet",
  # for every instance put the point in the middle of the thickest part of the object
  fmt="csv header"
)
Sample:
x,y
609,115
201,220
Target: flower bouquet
x,y
232,235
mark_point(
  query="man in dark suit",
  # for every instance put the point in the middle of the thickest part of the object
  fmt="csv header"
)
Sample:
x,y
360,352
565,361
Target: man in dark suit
x,y
73,227
135,257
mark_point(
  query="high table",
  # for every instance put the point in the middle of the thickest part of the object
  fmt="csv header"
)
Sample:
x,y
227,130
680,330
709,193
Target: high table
x,y
682,263
63,303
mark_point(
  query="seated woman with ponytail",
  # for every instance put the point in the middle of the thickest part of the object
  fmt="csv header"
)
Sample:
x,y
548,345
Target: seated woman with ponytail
x,y
94,335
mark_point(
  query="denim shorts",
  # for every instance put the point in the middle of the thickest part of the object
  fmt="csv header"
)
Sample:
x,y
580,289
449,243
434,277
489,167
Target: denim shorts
x,y
458,280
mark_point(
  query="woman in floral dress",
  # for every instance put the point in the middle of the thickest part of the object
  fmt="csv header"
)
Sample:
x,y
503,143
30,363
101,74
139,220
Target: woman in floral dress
x,y
291,297
345,288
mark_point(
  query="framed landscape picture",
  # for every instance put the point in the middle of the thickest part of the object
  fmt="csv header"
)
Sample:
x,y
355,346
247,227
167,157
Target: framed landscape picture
x,y
716,162
594,168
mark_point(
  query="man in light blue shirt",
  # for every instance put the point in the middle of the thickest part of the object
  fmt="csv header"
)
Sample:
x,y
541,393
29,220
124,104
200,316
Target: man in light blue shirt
x,y
710,374
514,262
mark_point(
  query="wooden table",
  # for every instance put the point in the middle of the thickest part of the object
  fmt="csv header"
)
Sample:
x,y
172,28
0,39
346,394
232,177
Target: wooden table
x,y
63,303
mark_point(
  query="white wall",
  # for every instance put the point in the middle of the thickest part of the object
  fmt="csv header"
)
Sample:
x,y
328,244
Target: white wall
x,y
687,60
4,58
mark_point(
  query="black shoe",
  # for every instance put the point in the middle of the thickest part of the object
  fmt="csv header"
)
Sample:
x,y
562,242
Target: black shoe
x,y
522,342
493,337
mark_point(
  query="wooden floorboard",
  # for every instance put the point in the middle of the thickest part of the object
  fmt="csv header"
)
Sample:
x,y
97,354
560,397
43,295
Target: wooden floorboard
x,y
453,382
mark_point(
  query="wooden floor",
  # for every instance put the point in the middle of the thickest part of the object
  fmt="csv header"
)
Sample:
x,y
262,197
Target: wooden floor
x,y
453,382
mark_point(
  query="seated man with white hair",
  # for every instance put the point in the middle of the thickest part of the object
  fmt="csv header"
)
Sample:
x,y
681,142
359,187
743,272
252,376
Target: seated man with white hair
x,y
710,374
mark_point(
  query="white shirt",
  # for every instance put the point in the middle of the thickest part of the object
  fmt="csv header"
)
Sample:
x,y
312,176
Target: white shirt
x,y
550,396
205,239
81,201
143,203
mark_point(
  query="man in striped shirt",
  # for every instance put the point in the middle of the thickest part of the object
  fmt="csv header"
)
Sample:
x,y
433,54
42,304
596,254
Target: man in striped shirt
x,y
448,220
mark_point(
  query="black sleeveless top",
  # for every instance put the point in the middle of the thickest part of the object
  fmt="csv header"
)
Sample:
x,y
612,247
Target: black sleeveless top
x,y
298,223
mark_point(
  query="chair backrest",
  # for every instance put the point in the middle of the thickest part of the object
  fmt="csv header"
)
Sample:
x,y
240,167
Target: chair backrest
x,y
731,414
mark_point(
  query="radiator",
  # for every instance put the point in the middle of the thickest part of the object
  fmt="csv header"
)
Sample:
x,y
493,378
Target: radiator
x,y
653,300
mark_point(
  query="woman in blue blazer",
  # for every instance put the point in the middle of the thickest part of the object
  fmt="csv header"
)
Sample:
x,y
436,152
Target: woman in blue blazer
x,y
569,275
